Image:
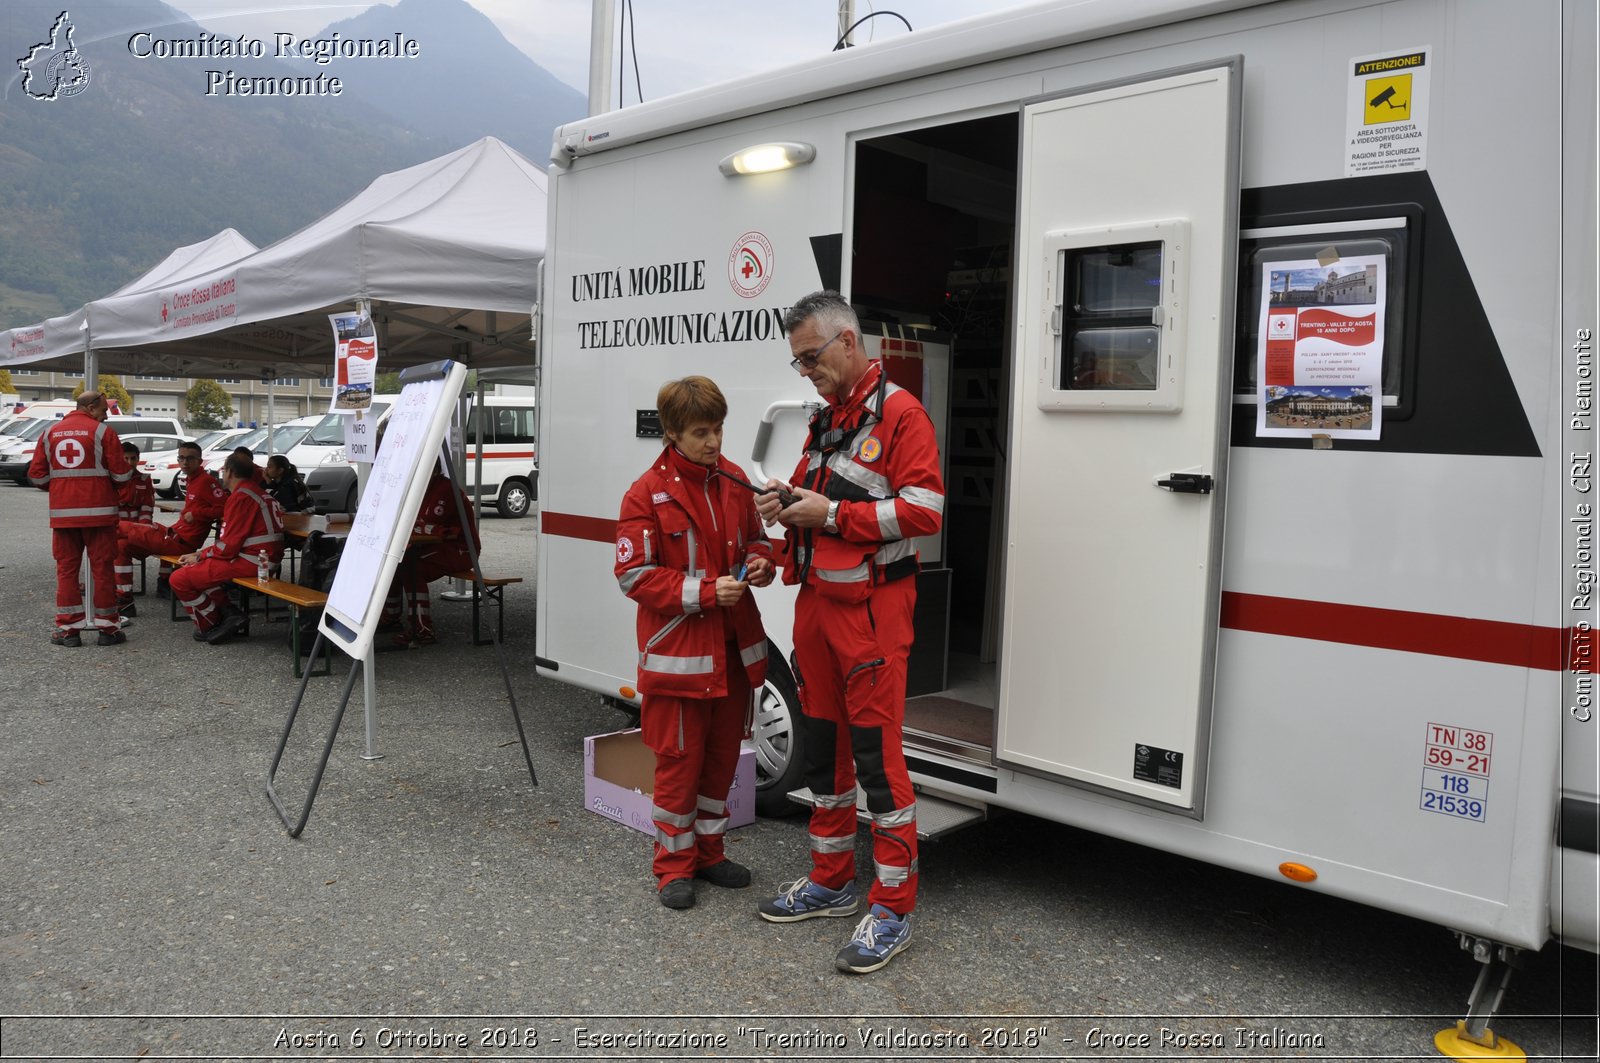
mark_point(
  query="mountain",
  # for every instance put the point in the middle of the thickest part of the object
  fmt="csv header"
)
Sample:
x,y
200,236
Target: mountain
x,y
98,185
466,82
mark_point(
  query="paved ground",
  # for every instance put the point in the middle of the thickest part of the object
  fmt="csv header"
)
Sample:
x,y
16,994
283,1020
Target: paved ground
x,y
146,878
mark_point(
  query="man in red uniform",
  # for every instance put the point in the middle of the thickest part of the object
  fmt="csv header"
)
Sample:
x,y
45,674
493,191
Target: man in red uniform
x,y
437,515
867,485
202,507
252,524
79,461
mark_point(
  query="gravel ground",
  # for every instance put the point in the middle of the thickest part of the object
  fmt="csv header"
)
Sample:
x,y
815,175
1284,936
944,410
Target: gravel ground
x,y
439,905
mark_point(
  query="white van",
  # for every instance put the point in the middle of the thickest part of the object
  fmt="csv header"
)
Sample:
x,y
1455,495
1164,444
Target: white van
x,y
510,473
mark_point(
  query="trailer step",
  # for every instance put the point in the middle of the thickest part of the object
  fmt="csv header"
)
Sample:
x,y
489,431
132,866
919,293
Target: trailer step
x,y
935,815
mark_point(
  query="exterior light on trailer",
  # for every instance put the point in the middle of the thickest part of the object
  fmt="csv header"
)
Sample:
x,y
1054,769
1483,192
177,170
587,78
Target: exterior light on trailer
x,y
1297,872
627,692
765,158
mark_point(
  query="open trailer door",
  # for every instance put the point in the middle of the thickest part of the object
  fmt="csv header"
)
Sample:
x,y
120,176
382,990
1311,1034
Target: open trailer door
x,y
1127,229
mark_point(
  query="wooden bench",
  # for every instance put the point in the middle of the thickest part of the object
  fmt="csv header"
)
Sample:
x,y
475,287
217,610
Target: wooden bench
x,y
489,588
173,561
297,598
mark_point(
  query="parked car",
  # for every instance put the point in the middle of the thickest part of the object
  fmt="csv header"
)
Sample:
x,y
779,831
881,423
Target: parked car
x,y
126,425
510,465
16,451
158,458
284,437
325,442
210,441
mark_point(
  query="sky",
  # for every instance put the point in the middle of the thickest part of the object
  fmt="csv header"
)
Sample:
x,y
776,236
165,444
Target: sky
x,y
682,44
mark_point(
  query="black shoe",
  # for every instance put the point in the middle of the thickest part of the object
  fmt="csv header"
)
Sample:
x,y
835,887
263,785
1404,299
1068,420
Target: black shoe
x,y
727,874
199,636
66,638
679,893
163,589
111,638
128,608
227,628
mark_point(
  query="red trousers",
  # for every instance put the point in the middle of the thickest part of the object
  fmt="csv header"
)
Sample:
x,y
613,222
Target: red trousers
x,y
851,675
135,540
68,545
696,743
202,588
420,567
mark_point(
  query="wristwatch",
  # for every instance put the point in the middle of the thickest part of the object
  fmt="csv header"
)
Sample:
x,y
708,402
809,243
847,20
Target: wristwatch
x,y
832,523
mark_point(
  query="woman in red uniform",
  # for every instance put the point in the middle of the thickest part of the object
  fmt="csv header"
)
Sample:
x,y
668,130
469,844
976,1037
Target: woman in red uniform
x,y
689,547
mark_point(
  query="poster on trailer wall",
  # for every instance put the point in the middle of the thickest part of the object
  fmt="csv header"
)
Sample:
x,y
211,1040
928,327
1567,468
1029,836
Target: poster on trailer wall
x,y
1319,365
355,359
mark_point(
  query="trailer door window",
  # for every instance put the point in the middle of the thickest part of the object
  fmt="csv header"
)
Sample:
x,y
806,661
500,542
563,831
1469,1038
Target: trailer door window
x,y
1116,340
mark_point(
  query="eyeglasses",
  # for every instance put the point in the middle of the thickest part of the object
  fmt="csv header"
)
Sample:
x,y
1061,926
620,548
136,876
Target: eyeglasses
x,y
188,457
808,361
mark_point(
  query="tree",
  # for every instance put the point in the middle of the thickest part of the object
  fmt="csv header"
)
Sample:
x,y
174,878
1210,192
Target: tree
x,y
6,387
209,405
387,384
113,390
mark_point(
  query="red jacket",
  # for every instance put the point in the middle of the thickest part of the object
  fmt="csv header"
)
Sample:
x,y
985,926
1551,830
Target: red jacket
x,y
876,453
437,514
136,501
80,462
671,547
203,502
251,522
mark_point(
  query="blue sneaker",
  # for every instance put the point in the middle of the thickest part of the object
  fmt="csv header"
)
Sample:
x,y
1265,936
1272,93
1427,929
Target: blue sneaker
x,y
880,936
804,899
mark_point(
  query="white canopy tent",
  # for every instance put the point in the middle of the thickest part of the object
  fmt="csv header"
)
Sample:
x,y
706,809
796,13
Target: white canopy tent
x,y
447,252
62,338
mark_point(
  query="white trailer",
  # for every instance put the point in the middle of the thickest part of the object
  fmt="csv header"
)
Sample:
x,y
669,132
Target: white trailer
x,y
1183,596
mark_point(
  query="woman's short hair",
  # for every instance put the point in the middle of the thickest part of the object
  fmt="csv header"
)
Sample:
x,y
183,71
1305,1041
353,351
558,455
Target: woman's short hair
x,y
693,400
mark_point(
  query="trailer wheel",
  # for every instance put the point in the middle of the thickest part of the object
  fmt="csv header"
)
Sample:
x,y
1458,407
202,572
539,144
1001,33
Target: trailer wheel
x,y
350,500
515,499
779,757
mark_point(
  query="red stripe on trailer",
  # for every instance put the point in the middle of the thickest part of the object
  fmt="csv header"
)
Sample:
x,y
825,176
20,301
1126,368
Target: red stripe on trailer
x,y
572,526
1468,638
1464,637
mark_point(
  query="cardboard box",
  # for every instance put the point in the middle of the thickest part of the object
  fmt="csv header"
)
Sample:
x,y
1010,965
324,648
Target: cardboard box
x,y
619,781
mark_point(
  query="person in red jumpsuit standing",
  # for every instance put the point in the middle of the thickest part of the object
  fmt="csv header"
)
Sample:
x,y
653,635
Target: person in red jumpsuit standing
x,y
867,485
252,525
204,497
689,546
438,515
79,461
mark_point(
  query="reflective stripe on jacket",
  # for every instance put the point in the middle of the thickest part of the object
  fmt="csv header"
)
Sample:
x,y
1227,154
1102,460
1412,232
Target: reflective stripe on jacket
x,y
79,460
668,563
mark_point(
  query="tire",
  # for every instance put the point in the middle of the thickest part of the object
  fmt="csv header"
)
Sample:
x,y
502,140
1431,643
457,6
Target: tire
x,y
780,760
350,500
516,498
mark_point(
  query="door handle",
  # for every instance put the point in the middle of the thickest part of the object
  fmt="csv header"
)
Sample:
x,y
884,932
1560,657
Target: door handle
x,y
1187,483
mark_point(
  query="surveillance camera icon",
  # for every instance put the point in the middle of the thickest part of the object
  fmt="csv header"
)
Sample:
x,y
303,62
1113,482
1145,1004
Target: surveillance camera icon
x,y
1385,97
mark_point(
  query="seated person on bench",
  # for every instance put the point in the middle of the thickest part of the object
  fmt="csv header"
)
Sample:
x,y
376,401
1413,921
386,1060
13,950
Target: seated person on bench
x,y
136,499
202,506
425,562
252,525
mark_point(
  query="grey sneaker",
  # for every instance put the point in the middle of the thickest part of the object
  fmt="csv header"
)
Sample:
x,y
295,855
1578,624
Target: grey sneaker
x,y
804,899
880,937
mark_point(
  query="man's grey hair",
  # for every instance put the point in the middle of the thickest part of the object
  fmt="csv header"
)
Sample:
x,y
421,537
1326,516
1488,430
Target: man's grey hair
x,y
828,310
